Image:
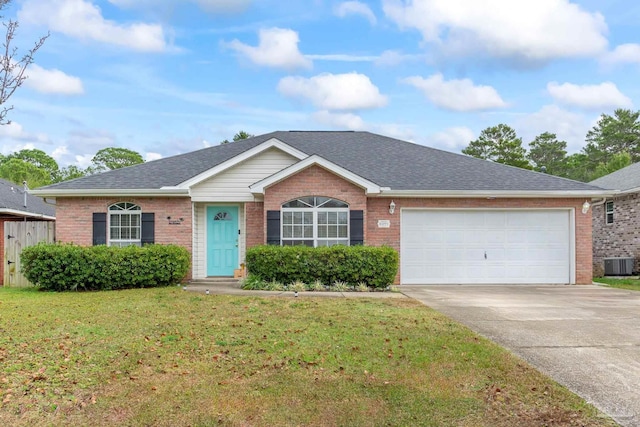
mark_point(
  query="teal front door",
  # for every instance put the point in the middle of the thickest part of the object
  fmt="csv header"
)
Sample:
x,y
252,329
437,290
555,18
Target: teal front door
x,y
222,240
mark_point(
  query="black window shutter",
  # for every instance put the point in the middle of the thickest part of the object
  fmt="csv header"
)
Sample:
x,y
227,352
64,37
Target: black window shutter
x,y
99,228
356,228
273,227
148,233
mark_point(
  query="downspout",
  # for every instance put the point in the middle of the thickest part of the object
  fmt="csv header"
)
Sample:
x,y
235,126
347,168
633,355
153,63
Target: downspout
x,y
598,203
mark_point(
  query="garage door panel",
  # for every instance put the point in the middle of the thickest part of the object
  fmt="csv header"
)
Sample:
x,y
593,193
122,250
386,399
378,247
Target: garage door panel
x,y
439,246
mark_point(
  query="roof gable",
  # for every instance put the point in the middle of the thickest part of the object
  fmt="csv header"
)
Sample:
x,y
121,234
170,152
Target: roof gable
x,y
369,187
245,155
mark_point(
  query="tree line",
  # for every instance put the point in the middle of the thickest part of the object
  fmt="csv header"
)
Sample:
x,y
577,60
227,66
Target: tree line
x,y
38,168
613,143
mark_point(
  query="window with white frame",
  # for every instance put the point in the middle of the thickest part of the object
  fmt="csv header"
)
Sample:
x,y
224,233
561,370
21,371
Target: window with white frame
x,y
315,221
124,224
608,212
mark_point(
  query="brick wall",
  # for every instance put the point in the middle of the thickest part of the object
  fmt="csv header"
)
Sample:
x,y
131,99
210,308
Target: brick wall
x,y
620,239
2,260
254,224
378,208
74,218
319,182
314,181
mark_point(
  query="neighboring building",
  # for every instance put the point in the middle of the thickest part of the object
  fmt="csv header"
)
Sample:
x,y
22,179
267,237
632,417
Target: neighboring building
x,y
453,218
616,221
16,205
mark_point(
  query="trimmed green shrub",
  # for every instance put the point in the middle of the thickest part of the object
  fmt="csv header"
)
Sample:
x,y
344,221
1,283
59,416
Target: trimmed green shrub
x,y
374,266
69,267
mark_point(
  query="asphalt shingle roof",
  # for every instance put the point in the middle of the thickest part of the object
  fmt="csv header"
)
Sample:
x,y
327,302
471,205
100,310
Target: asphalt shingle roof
x,y
388,162
622,179
12,198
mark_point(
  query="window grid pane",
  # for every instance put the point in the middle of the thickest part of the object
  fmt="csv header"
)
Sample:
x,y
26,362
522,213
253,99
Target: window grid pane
x,y
124,225
315,221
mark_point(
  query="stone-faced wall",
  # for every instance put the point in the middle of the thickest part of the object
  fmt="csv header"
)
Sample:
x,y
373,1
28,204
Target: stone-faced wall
x,y
622,237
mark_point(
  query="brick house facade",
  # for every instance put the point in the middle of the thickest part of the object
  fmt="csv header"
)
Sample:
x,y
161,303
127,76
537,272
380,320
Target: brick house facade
x,y
251,183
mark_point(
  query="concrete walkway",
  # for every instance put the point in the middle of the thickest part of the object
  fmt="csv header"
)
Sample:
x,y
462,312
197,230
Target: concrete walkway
x,y
585,337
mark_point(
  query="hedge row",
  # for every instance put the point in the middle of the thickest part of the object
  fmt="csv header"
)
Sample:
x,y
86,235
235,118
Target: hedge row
x,y
68,267
374,266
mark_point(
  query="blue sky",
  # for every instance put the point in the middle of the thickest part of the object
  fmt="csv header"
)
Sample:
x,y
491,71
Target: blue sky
x,y
168,76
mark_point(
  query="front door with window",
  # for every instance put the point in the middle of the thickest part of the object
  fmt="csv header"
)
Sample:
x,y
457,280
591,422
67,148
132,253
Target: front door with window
x,y
222,240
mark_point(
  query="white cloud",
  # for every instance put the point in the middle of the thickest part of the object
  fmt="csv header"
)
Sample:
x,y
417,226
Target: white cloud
x,y
351,91
341,57
456,95
603,95
523,30
53,81
150,156
277,47
451,139
348,121
392,58
568,126
60,152
211,6
628,53
355,8
83,20
12,130
83,160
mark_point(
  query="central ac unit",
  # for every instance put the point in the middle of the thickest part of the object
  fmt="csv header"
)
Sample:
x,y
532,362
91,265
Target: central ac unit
x,y
618,266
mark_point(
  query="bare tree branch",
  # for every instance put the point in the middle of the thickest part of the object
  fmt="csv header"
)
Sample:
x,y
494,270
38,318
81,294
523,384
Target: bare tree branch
x,y
12,71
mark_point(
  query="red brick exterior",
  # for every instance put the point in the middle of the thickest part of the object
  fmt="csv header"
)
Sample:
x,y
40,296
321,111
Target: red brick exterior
x,y
254,220
378,208
74,218
2,260
320,182
314,181
75,214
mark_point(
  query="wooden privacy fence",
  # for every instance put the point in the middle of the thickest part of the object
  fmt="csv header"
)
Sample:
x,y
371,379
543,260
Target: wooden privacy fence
x,y
17,236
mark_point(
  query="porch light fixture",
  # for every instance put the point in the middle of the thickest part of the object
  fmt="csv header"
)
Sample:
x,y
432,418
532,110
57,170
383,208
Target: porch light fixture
x,y
585,207
392,207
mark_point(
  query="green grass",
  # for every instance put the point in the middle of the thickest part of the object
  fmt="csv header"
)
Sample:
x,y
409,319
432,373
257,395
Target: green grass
x,y
165,357
632,284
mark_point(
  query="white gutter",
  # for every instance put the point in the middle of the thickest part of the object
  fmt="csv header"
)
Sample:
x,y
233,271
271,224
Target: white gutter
x,y
143,192
16,212
496,193
629,191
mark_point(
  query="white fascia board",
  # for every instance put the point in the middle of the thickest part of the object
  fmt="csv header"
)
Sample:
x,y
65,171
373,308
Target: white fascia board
x,y
16,212
629,191
260,186
496,194
270,143
148,192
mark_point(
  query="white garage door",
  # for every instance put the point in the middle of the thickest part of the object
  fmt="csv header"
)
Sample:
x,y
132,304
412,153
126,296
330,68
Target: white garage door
x,y
485,246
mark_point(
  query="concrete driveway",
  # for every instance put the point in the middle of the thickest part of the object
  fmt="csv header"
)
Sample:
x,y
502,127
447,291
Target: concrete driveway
x,y
585,337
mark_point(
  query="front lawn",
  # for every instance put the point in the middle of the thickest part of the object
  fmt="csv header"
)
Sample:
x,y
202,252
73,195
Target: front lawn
x,y
166,357
632,284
